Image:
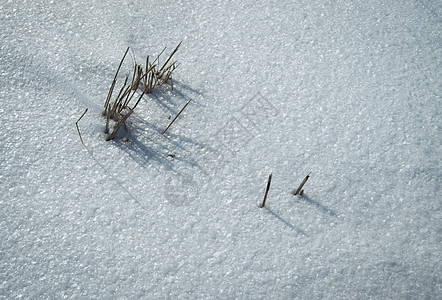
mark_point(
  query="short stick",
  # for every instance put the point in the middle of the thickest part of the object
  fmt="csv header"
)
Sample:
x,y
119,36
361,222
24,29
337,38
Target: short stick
x,y
158,57
176,116
298,191
170,56
267,191
145,75
78,129
128,131
109,95
138,101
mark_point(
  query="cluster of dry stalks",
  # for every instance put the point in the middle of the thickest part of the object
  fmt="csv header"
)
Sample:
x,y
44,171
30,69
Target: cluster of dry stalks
x,y
146,79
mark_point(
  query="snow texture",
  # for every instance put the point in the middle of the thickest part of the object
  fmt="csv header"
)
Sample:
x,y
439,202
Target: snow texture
x,y
349,90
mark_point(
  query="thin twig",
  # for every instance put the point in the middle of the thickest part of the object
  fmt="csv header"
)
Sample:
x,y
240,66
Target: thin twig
x,y
134,73
170,56
114,81
299,191
113,113
128,98
138,101
145,75
128,131
119,94
78,129
158,57
176,116
267,190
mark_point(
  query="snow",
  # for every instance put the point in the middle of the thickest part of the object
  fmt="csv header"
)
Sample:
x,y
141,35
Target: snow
x,y
347,90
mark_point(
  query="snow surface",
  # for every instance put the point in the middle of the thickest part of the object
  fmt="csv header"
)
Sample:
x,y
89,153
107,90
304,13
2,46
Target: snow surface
x,y
350,90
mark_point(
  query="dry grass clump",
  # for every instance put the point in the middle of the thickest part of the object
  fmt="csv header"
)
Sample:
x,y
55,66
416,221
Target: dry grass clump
x,y
145,78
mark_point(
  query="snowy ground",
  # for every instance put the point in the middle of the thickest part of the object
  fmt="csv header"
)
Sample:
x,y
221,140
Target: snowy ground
x,y
350,90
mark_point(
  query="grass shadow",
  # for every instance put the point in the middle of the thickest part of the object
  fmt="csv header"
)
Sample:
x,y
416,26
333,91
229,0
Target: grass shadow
x,y
115,179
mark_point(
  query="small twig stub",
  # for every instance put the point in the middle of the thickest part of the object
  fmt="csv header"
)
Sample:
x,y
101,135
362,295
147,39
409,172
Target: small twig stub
x,y
299,190
267,191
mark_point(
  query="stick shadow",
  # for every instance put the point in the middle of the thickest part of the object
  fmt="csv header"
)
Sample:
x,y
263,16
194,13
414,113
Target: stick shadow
x,y
318,205
285,222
